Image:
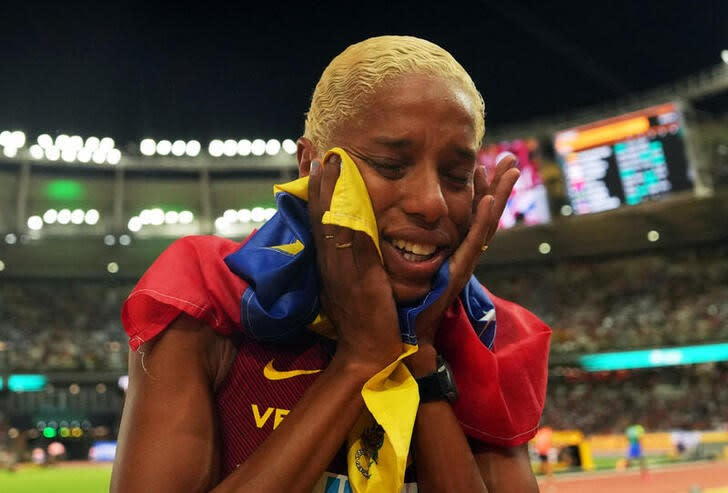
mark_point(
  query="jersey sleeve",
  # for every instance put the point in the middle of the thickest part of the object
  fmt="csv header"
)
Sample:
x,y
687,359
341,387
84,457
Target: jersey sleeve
x,y
189,277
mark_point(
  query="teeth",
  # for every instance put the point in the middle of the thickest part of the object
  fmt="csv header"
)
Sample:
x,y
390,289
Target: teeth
x,y
416,248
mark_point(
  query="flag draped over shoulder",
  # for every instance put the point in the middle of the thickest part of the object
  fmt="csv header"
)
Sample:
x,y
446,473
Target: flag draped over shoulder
x,y
268,287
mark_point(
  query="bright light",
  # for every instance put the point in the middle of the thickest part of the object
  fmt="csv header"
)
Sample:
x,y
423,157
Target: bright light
x,y
272,147
566,210
75,142
17,139
35,223
4,138
92,217
221,223
186,217
61,140
724,56
77,216
106,144
244,215
156,217
64,216
257,214
11,239
109,240
92,143
99,156
135,224
653,236
2,266
289,146
114,156
10,152
112,267
216,148
36,151
192,149
68,154
258,147
147,147
269,212
544,248
178,148
164,147
84,155
50,216
244,147
230,148
124,240
171,217
230,215
45,141
146,216
52,153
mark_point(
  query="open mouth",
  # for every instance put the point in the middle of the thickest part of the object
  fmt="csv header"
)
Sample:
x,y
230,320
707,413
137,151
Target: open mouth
x,y
414,252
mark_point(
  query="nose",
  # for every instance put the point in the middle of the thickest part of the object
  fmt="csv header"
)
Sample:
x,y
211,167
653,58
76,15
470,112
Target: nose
x,y
424,198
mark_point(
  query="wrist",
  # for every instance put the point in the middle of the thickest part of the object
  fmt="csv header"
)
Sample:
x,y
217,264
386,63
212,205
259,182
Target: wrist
x,y
423,362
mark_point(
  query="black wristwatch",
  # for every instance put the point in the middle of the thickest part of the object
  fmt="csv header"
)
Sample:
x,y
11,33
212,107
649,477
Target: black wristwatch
x,y
440,385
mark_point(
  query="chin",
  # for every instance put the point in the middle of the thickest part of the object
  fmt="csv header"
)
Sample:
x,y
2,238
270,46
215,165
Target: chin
x,y
407,294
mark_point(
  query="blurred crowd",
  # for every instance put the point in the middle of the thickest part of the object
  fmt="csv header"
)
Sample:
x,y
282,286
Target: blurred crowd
x,y
652,300
692,397
62,325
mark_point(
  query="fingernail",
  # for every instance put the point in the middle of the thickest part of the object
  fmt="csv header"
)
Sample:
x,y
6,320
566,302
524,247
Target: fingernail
x,y
335,159
315,167
504,155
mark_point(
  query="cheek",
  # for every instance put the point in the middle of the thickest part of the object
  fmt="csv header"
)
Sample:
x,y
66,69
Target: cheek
x,y
460,211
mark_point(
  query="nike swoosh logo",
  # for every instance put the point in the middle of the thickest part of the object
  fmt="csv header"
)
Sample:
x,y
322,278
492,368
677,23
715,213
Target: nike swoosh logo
x,y
272,374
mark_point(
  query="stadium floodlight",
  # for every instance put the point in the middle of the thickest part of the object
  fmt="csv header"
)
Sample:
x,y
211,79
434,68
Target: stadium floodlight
x,y
148,147
244,215
124,240
156,217
35,223
269,212
2,266
17,139
244,147
5,138
10,152
134,224
653,236
724,56
289,146
75,142
68,154
92,217
221,223
192,149
230,148
171,217
45,141
113,157
258,147
186,217
112,267
164,147
178,148
77,216
272,147
64,216
230,215
52,153
215,148
145,216
544,248
257,214
11,239
109,240
107,143
92,143
61,140
50,216
84,155
36,151
99,156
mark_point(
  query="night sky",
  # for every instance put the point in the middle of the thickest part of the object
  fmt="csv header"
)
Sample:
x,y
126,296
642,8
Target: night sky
x,y
212,70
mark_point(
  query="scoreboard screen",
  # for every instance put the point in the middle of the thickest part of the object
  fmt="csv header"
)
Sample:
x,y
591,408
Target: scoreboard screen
x,y
624,160
528,203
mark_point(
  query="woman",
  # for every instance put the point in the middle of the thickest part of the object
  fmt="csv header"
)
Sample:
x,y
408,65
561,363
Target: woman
x,y
212,408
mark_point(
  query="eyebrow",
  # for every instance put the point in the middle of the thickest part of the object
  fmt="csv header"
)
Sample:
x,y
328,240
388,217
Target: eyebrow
x,y
403,143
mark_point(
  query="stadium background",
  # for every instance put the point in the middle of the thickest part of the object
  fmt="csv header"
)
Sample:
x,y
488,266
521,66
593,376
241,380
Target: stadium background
x,y
83,214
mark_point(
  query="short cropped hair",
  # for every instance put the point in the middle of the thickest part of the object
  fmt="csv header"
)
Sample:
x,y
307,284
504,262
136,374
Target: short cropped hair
x,y
358,71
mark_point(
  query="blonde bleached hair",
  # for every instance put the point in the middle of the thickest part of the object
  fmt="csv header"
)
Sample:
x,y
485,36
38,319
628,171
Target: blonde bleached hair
x,y
358,71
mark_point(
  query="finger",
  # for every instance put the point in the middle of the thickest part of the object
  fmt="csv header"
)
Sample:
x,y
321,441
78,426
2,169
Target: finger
x,y
501,193
329,176
314,192
463,261
365,252
480,184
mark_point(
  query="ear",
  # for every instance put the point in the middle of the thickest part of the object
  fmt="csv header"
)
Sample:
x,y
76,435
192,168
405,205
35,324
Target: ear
x,y
305,153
